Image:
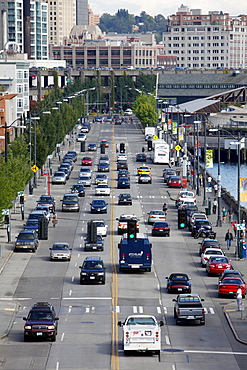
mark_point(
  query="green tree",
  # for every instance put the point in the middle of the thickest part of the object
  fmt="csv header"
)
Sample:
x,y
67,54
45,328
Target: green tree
x,y
145,109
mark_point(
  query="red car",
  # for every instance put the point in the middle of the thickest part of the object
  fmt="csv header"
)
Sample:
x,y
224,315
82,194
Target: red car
x,y
174,182
105,143
86,161
217,264
229,286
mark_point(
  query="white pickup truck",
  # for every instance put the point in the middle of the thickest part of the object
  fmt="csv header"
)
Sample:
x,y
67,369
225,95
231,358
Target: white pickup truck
x,y
141,333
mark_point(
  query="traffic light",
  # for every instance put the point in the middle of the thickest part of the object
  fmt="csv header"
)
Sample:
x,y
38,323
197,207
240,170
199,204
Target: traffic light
x,y
43,229
21,199
131,229
122,148
182,218
149,145
6,219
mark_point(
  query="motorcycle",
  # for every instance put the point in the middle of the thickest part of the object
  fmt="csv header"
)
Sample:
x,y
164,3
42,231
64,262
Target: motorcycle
x,y
203,233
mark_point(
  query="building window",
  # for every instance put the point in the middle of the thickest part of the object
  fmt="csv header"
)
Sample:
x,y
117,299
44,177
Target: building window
x,y
103,53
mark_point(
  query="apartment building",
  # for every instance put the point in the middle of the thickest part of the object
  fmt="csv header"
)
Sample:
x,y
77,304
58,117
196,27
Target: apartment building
x,y
24,24
213,40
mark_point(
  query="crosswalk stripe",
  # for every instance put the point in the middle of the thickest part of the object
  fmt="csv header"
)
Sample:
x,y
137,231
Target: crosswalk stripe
x,y
134,309
141,309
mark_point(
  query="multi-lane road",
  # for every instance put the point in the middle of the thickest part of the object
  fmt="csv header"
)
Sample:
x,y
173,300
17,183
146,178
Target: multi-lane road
x,y
88,336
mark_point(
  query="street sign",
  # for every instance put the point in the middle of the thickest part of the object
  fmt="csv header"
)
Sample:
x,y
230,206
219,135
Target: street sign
x,y
5,212
20,193
154,137
34,168
178,147
240,226
209,190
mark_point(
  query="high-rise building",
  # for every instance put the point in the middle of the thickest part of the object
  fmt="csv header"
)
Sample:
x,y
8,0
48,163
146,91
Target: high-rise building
x,y
24,24
82,12
93,19
62,18
213,40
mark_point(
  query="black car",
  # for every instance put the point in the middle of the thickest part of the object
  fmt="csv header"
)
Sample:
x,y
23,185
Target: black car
x,y
118,121
200,223
231,273
103,167
123,182
98,206
78,189
27,240
161,228
41,322
122,165
125,198
208,243
178,283
141,157
123,173
92,270
98,245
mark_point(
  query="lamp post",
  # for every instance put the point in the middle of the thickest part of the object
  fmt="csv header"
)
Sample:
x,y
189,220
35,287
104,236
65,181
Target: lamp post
x,y
204,203
196,165
6,127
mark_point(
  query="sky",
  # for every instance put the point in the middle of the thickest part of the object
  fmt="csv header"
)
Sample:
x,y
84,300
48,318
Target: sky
x,y
166,8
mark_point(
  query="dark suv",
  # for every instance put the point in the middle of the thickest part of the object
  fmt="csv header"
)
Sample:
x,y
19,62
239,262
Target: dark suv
x,y
41,322
27,240
200,223
92,270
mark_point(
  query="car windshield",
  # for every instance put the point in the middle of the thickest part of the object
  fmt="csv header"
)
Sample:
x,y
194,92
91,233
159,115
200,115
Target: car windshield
x,y
179,277
84,178
124,196
209,251
211,244
99,223
60,246
145,175
90,265
141,321
32,223
25,236
59,174
101,177
160,224
98,202
43,198
157,213
70,198
102,186
40,315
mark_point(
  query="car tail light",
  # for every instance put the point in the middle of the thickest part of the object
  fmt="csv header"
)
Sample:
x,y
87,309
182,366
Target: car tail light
x,y
123,256
178,311
163,217
127,334
147,256
206,258
203,311
152,216
157,335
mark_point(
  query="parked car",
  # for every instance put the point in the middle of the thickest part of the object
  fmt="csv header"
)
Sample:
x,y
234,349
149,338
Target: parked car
x,y
60,251
73,154
198,224
178,282
27,240
46,209
161,228
32,225
156,215
167,172
208,253
217,264
124,198
231,273
70,202
208,243
98,206
102,189
92,270
41,322
229,286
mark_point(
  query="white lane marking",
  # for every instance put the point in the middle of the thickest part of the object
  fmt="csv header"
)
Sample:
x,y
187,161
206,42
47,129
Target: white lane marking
x,y
76,264
134,309
93,309
87,309
57,365
158,309
62,337
165,310
80,245
158,286
65,298
167,340
140,309
218,353
78,255
70,292
155,274
211,310
70,308
117,309
81,237
72,279
206,310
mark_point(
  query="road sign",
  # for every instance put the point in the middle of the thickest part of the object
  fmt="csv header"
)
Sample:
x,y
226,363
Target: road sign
x,y
34,168
240,226
154,137
209,190
178,147
20,193
5,212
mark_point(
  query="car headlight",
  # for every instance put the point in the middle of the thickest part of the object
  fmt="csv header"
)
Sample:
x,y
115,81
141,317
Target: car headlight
x,y
101,273
51,327
83,273
28,327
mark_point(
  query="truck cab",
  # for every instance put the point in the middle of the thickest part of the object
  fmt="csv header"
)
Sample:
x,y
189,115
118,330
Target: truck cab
x,y
141,333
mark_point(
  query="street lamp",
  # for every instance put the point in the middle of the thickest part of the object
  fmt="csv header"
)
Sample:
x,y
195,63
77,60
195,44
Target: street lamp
x,y
6,127
197,163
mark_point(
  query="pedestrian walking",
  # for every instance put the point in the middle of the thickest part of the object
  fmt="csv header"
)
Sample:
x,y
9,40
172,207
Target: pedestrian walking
x,y
215,205
230,214
235,227
228,239
201,179
54,220
209,181
239,297
224,213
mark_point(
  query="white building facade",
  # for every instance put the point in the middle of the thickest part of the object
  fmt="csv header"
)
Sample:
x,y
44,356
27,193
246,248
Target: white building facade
x,y
215,40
